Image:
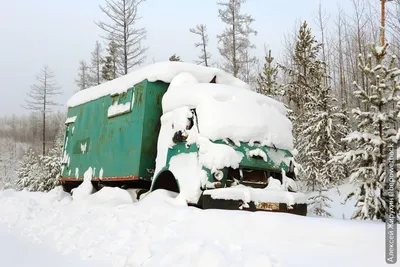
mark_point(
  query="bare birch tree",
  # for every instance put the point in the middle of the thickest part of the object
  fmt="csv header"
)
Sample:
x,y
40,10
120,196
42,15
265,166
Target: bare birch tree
x,y
234,40
40,97
83,79
124,31
201,31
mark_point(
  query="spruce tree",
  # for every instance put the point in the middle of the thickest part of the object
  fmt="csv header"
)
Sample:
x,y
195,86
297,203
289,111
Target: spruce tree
x,y
30,171
109,69
267,80
41,172
376,130
317,120
302,73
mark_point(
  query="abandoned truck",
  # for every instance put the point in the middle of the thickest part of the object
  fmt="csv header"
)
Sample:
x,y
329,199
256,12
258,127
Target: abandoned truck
x,y
189,129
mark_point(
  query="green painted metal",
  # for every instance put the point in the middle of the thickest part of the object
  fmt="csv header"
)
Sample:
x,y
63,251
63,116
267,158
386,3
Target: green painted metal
x,y
277,159
123,146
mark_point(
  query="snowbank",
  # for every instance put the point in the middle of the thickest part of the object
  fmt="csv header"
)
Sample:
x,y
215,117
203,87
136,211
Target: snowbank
x,y
163,71
159,231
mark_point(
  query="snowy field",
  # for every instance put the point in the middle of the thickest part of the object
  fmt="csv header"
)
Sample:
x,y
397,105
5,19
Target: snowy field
x,y
108,229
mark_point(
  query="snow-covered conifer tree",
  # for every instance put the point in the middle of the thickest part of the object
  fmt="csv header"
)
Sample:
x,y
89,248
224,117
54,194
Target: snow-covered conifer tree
x,y
109,69
302,73
52,164
30,171
376,130
267,80
318,122
41,172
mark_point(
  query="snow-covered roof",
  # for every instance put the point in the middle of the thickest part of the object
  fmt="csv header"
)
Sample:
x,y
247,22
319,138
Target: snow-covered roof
x,y
163,71
192,94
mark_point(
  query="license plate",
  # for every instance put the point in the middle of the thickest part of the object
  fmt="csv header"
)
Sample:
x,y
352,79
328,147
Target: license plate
x,y
267,206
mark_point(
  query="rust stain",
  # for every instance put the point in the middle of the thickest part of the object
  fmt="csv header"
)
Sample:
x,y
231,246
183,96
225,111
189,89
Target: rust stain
x,y
140,94
159,100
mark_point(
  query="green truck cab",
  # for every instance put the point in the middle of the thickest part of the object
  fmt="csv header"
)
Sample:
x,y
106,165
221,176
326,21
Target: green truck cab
x,y
116,130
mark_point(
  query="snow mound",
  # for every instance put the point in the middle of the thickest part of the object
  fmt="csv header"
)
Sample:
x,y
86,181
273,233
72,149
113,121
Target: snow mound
x,y
231,112
163,71
271,194
182,79
217,156
161,196
85,188
111,196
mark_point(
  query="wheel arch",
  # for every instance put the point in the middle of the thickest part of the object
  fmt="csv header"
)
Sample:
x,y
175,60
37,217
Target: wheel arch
x,y
165,179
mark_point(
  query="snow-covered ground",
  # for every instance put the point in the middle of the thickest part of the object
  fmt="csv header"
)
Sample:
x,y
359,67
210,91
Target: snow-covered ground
x,y
17,251
50,228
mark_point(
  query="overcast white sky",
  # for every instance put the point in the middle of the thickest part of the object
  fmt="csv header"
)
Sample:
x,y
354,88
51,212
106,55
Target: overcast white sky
x,y
60,33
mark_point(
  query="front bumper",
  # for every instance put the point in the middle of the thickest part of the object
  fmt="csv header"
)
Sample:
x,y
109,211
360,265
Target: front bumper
x,y
207,202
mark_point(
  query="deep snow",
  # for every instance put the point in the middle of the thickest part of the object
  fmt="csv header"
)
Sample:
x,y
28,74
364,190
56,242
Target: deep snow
x,y
162,231
15,251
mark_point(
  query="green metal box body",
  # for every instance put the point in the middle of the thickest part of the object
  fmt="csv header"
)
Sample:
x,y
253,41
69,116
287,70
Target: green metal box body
x,y
118,146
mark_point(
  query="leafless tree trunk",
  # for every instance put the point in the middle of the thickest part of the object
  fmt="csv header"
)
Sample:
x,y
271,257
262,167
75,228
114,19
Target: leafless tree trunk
x,y
40,97
123,30
322,20
250,69
201,30
359,8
